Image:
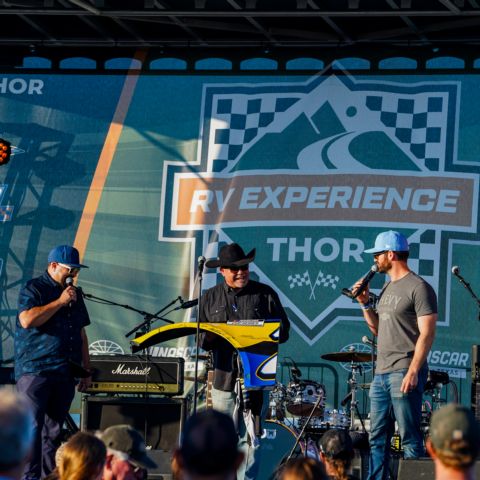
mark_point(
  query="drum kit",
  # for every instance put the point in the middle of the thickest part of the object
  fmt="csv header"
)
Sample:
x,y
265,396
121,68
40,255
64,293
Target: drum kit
x,y
298,417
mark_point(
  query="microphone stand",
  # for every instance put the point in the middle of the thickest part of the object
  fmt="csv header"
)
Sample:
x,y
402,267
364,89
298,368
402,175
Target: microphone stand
x,y
469,288
148,317
197,336
302,431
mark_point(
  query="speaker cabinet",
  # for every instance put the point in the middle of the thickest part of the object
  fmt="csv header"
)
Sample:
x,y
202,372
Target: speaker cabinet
x,y
160,420
423,469
475,395
360,464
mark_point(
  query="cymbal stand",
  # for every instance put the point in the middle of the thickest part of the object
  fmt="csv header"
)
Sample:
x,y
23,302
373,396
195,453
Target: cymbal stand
x,y
353,402
305,425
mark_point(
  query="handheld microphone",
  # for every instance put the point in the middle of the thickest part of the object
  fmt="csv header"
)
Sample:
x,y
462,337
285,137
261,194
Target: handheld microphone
x,y
347,292
366,280
187,304
201,263
69,283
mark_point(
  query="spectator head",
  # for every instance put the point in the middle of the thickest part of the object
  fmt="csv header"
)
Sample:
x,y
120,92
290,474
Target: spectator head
x,y
127,457
83,457
454,436
209,447
16,430
303,468
336,451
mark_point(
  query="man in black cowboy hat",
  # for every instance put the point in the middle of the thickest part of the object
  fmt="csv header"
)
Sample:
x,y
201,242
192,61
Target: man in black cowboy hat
x,y
237,298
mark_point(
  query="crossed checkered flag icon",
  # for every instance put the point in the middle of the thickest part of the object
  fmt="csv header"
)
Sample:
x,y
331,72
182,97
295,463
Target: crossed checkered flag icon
x,y
299,280
322,280
328,280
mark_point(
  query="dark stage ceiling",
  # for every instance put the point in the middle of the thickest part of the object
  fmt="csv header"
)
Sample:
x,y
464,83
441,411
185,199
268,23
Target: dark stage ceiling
x,y
239,27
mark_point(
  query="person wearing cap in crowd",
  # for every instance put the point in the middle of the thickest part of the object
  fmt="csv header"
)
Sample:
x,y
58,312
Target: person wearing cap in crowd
x,y
127,457
16,433
454,442
336,453
404,323
208,448
236,298
51,351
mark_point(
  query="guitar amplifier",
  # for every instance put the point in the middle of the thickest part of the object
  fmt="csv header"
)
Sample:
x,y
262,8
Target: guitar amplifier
x,y
136,374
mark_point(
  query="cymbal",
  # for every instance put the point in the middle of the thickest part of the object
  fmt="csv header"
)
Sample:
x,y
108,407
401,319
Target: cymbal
x,y
355,357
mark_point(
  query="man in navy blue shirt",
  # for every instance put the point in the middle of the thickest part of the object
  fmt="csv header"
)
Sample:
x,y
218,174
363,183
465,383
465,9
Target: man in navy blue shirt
x,y
51,350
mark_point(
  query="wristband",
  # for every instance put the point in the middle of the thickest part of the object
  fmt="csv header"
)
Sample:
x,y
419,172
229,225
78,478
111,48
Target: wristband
x,y
366,306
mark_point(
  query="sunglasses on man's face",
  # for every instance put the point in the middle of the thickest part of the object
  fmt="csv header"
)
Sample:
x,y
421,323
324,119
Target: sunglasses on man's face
x,y
236,269
71,270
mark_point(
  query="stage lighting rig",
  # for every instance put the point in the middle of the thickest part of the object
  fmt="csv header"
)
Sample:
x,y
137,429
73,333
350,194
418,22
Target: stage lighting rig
x,y
5,151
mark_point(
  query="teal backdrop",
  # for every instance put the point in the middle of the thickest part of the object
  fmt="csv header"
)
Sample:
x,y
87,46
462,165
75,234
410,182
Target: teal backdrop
x,y
144,173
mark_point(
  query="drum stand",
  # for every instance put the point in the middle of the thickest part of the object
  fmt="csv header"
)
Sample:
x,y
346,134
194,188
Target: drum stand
x,y
353,401
305,425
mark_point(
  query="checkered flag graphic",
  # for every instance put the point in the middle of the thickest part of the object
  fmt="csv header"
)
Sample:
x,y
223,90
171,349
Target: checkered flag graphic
x,y
299,280
328,280
418,121
322,280
239,119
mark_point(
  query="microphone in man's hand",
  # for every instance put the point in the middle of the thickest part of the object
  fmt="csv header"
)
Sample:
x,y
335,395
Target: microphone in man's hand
x,y
69,283
366,280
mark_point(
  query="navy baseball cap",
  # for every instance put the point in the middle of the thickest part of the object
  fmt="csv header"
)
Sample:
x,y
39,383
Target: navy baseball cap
x,y
67,255
389,241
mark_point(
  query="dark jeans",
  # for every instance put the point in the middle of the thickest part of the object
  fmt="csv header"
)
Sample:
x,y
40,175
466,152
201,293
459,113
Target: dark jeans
x,y
50,398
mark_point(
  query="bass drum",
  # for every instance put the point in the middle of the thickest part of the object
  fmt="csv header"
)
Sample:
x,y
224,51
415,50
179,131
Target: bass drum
x,y
276,444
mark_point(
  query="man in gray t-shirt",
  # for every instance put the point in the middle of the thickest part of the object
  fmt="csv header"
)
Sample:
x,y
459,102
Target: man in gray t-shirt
x,y
404,323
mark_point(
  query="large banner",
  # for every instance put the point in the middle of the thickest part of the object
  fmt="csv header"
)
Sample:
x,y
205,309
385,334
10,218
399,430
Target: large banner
x,y
146,173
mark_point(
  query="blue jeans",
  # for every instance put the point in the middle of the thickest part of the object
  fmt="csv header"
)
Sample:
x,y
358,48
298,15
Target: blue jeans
x,y
225,402
388,404
50,398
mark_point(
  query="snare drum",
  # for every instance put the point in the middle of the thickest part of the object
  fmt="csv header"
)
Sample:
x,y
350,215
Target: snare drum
x,y
334,418
303,395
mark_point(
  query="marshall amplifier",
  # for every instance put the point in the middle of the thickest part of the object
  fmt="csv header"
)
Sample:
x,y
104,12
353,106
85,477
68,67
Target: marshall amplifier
x,y
136,374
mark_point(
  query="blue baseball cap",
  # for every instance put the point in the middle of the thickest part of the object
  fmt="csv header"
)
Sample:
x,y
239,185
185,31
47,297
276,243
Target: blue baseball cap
x,y
67,255
391,240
